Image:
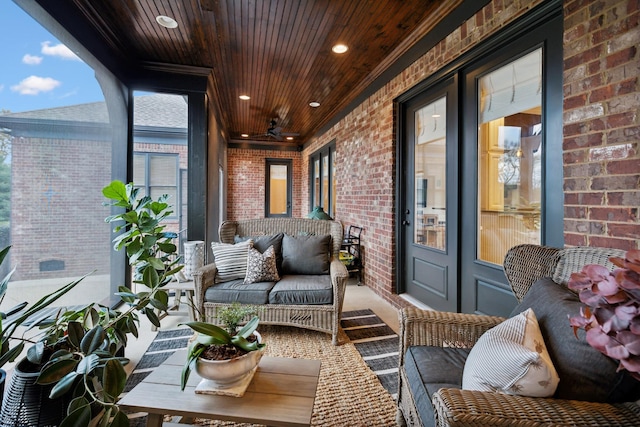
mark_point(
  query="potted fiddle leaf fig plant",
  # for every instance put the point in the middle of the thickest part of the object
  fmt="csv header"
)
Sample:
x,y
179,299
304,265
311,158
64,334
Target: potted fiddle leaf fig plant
x,y
222,358
80,351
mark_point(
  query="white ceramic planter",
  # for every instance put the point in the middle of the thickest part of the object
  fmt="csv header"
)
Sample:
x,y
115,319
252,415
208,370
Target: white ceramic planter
x,y
223,374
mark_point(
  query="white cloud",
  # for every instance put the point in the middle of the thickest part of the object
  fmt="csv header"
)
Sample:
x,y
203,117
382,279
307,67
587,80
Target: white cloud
x,y
1,88
31,59
59,50
33,85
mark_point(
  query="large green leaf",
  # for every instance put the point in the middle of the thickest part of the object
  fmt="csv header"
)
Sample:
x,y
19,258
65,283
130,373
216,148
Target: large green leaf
x,y
54,371
11,354
116,190
150,277
89,363
210,330
114,378
63,386
249,327
120,420
152,316
81,417
93,340
75,333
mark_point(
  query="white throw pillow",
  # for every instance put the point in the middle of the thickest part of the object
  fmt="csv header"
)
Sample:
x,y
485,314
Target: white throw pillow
x,y
230,259
512,358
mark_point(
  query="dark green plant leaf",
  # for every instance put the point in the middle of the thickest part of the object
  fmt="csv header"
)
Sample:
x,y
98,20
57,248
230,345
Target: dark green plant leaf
x,y
54,371
120,420
35,353
210,330
93,340
75,333
81,417
88,364
76,403
150,277
11,354
157,264
152,316
63,386
113,380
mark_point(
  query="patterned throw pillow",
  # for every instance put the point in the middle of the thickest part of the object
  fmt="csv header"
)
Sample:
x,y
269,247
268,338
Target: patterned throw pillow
x,y
511,358
261,267
231,260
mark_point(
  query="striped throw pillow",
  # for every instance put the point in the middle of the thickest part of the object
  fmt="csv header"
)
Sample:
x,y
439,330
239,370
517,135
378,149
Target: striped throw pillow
x,y
511,358
230,259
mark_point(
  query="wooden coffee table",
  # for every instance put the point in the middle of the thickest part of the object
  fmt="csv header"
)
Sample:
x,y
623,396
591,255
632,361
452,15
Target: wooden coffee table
x,y
281,393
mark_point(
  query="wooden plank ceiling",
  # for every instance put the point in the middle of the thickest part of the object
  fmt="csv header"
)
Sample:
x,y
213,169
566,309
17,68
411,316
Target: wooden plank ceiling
x,y
278,52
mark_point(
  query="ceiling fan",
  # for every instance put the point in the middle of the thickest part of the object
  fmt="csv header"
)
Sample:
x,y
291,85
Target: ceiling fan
x,y
275,131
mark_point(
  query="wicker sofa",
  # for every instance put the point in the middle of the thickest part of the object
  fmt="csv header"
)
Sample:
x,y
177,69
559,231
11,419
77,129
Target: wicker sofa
x,y
323,317
435,397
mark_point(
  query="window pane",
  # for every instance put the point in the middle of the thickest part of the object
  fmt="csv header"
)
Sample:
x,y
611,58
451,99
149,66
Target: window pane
x,y
165,152
509,157
430,175
325,181
163,170
55,159
332,214
278,189
316,183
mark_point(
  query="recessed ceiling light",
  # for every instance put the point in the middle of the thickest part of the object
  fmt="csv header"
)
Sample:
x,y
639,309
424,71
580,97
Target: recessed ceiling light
x,y
435,115
244,97
289,138
314,104
245,135
340,48
166,21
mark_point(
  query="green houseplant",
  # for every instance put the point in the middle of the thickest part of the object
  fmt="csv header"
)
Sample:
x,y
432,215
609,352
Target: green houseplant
x,y
215,344
80,351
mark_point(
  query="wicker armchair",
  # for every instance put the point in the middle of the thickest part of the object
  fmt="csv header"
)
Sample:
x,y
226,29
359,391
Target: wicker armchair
x,y
324,318
523,265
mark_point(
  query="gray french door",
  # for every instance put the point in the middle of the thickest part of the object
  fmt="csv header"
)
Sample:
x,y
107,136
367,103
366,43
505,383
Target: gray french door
x,y
480,170
430,209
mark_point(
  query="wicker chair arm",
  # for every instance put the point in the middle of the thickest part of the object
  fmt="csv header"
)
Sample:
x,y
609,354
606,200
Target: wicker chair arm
x,y
455,407
525,264
339,277
441,329
203,278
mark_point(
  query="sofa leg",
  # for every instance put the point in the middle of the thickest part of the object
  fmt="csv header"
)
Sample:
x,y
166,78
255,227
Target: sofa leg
x,y
334,339
400,419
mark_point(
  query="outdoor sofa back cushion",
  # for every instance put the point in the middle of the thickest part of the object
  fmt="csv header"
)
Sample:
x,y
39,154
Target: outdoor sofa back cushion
x,y
305,254
262,243
585,373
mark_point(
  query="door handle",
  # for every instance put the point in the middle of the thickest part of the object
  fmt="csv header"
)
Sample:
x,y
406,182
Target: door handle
x,y
405,222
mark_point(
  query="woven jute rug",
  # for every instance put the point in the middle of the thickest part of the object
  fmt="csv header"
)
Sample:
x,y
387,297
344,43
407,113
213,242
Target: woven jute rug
x,y
349,393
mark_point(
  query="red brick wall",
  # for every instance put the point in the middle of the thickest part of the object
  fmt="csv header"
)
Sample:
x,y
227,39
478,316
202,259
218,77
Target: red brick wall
x,y
246,182
602,123
365,148
56,206
602,168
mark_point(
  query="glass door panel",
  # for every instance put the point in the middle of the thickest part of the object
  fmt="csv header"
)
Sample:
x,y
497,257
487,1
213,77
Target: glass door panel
x,y
278,190
430,175
509,157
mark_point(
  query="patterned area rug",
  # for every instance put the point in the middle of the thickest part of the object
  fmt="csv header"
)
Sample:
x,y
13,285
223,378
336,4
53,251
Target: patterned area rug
x,y
377,343
349,393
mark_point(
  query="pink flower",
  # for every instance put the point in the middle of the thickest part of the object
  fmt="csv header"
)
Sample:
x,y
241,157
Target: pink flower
x,y
611,317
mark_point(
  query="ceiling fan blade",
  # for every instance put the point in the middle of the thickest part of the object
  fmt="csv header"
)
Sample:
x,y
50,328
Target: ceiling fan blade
x,y
289,134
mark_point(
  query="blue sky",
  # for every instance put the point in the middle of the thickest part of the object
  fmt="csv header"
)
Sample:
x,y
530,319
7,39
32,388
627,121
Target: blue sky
x,y
37,71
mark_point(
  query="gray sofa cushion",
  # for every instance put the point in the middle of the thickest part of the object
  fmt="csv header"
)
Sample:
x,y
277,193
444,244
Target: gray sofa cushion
x,y
237,290
305,254
302,289
429,369
262,243
585,373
